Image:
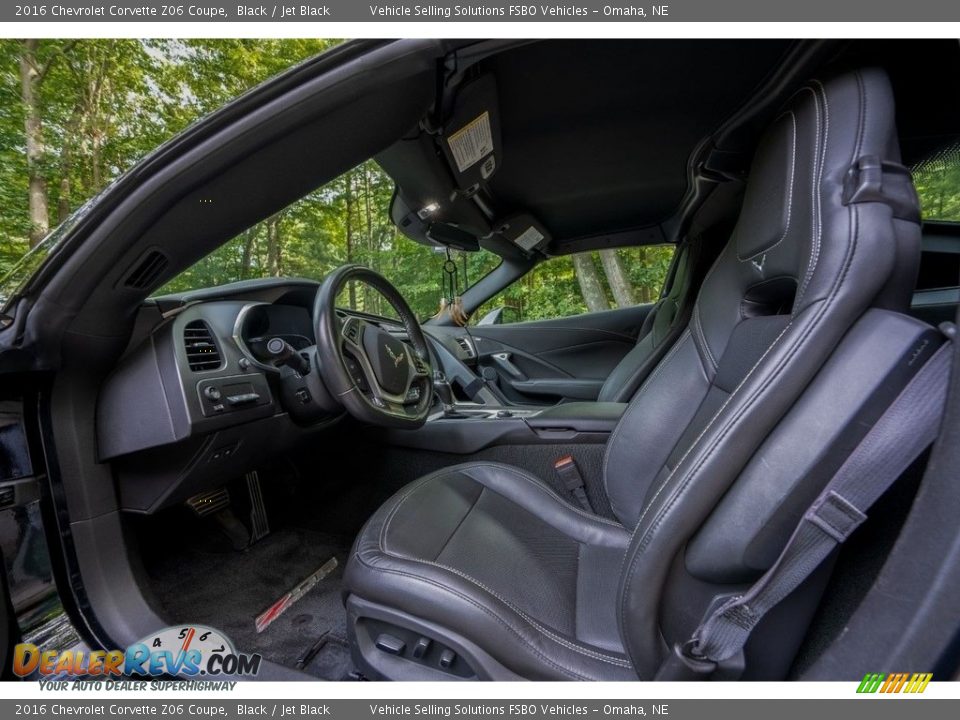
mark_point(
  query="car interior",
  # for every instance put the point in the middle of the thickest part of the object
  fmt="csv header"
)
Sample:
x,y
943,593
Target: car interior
x,y
554,499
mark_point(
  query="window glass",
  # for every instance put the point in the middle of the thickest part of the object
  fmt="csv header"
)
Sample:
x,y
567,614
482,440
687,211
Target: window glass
x,y
345,221
937,178
581,283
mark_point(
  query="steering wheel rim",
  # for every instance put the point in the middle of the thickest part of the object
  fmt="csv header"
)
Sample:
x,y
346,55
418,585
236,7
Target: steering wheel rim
x,y
377,354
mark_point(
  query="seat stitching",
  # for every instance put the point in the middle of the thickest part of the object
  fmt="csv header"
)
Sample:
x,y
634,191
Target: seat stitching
x,y
619,428
460,524
544,630
793,172
706,345
818,182
800,342
612,660
403,498
479,606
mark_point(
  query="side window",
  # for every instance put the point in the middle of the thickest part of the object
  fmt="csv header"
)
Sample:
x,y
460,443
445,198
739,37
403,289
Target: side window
x,y
580,283
937,179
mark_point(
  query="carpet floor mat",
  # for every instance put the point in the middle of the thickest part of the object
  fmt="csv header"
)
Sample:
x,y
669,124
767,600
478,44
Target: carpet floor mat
x,y
228,591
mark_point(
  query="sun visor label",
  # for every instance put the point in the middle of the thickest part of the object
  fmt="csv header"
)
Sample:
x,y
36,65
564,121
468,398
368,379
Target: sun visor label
x,y
471,143
529,238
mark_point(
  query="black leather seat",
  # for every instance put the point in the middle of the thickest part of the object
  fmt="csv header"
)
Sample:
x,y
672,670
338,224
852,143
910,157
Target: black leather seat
x,y
660,329
485,560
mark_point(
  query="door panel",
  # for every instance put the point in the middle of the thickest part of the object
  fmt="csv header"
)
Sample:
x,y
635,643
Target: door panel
x,y
549,360
937,294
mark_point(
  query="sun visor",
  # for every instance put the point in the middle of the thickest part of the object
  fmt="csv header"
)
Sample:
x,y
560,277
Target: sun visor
x,y
471,138
524,232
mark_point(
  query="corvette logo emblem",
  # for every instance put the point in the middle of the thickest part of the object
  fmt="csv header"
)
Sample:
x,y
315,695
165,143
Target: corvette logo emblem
x,y
397,359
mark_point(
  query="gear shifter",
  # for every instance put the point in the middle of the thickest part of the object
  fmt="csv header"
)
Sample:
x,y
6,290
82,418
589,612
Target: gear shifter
x,y
444,392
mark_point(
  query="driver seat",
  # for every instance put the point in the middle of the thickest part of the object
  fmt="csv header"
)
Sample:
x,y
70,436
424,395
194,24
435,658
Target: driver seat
x,y
481,570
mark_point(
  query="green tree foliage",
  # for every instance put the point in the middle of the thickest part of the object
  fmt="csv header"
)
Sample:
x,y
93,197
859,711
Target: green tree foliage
x,y
96,107
938,183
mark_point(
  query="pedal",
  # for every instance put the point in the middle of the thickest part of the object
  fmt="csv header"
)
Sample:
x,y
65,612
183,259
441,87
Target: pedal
x,y
215,504
235,530
210,502
259,524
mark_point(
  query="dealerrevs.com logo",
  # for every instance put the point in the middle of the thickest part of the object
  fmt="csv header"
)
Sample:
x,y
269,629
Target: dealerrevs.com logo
x,y
890,683
184,650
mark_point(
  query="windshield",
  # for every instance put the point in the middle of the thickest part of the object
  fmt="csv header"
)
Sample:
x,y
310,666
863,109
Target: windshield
x,y
345,221
97,107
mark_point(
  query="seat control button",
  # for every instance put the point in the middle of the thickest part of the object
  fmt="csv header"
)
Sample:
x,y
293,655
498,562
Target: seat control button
x,y
390,644
447,658
420,649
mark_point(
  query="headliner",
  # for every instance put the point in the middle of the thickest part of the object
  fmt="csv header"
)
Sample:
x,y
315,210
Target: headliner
x,y
596,135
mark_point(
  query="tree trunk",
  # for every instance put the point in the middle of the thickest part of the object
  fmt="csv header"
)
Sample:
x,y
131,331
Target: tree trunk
x,y
371,298
247,256
273,246
66,164
351,286
38,201
589,280
617,278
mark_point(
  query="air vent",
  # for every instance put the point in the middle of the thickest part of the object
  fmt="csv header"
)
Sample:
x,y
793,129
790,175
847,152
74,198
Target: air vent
x,y
466,346
146,272
202,353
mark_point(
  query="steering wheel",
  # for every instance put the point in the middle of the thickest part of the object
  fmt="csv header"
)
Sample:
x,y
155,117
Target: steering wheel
x,y
376,376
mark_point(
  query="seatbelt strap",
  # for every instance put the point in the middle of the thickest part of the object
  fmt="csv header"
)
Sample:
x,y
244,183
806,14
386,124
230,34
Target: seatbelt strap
x,y
569,474
907,428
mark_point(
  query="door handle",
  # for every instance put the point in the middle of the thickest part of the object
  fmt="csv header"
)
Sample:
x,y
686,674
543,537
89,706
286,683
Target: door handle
x,y
505,363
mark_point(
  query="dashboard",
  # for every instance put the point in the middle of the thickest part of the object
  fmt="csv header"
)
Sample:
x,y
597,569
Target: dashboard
x,y
198,397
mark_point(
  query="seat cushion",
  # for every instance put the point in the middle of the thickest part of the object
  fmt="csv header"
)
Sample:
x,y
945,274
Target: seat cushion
x,y
489,551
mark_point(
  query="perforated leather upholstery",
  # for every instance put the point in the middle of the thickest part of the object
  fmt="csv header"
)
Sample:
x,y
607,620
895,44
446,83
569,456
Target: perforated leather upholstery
x,y
488,552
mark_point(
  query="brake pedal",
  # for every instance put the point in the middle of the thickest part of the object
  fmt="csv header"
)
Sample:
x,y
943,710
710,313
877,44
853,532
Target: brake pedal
x,y
216,504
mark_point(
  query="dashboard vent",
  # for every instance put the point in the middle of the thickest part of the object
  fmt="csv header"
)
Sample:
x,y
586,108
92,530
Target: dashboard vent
x,y
464,342
202,352
146,271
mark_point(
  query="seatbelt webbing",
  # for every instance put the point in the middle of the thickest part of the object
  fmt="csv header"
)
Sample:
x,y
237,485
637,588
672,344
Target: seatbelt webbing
x,y
907,428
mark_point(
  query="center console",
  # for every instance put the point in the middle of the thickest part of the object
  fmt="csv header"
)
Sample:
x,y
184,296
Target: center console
x,y
465,428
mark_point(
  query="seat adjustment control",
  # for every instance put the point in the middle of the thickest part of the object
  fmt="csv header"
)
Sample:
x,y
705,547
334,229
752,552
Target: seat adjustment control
x,y
447,658
420,649
390,644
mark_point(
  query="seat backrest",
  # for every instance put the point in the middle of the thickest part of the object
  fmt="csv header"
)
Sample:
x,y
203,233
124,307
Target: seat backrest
x,y
801,266
662,326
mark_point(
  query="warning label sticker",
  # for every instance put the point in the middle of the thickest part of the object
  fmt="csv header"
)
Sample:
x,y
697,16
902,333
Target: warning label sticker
x,y
529,238
471,143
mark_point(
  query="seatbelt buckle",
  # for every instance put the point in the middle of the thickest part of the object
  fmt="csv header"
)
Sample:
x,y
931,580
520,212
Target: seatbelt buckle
x,y
569,474
684,664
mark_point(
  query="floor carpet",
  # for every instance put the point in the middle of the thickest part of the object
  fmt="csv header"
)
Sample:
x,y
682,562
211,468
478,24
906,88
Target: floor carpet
x,y
228,590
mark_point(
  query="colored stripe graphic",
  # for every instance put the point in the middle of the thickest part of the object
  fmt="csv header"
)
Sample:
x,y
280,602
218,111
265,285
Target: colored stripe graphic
x,y
894,683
